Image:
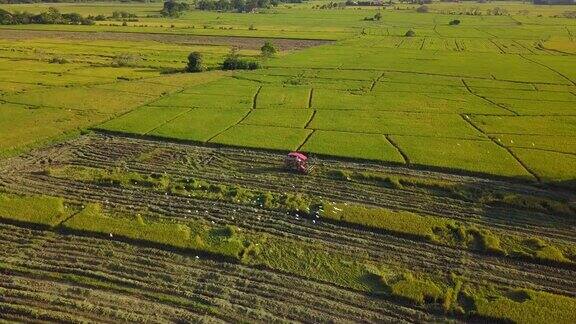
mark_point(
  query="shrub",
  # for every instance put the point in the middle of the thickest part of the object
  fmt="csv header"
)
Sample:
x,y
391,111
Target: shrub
x,y
378,16
268,49
58,60
124,59
416,290
234,62
195,63
454,22
410,33
47,211
52,16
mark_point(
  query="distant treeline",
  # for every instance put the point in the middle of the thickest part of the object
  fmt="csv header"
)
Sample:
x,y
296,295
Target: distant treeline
x,y
52,16
70,1
239,5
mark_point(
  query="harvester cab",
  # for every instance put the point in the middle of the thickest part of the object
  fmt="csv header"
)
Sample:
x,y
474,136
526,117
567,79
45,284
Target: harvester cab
x,y
296,162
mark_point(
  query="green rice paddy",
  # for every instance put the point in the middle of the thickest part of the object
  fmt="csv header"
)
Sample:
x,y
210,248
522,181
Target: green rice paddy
x,y
452,97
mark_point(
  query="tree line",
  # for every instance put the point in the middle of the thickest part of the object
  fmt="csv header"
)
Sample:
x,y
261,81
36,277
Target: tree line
x,y
52,16
173,8
235,5
68,1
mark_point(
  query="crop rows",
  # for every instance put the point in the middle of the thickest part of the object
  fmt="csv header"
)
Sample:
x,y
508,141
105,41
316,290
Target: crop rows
x,y
116,277
341,239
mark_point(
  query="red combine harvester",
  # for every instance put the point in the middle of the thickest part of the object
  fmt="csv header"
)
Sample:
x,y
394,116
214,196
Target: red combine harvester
x,y
296,162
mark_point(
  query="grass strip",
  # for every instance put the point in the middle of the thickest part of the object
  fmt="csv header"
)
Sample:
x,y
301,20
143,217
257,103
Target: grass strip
x,y
224,241
40,210
448,232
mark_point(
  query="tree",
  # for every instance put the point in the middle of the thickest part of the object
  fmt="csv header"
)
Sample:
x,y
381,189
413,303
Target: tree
x,y
174,9
268,49
410,33
239,5
378,16
195,62
235,62
52,16
6,17
454,22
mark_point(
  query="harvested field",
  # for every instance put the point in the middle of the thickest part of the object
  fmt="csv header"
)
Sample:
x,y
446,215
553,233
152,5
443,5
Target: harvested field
x,y
251,43
214,284
106,281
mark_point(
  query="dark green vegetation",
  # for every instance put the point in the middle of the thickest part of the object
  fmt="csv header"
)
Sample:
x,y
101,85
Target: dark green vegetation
x,y
52,16
426,245
195,63
174,9
237,5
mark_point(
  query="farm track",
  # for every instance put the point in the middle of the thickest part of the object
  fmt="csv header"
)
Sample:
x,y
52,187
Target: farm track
x,y
258,170
238,291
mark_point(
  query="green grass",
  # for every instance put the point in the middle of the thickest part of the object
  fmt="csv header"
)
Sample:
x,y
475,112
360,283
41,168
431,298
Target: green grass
x,y
207,101
527,125
196,236
143,120
526,306
403,222
45,211
112,177
140,87
231,86
561,144
23,127
199,124
284,97
86,99
550,166
267,137
448,232
469,155
523,94
442,102
344,144
394,123
312,261
293,118
416,290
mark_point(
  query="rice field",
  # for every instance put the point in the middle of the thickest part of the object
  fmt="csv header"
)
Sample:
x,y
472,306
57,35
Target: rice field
x,y
442,186
193,231
448,82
